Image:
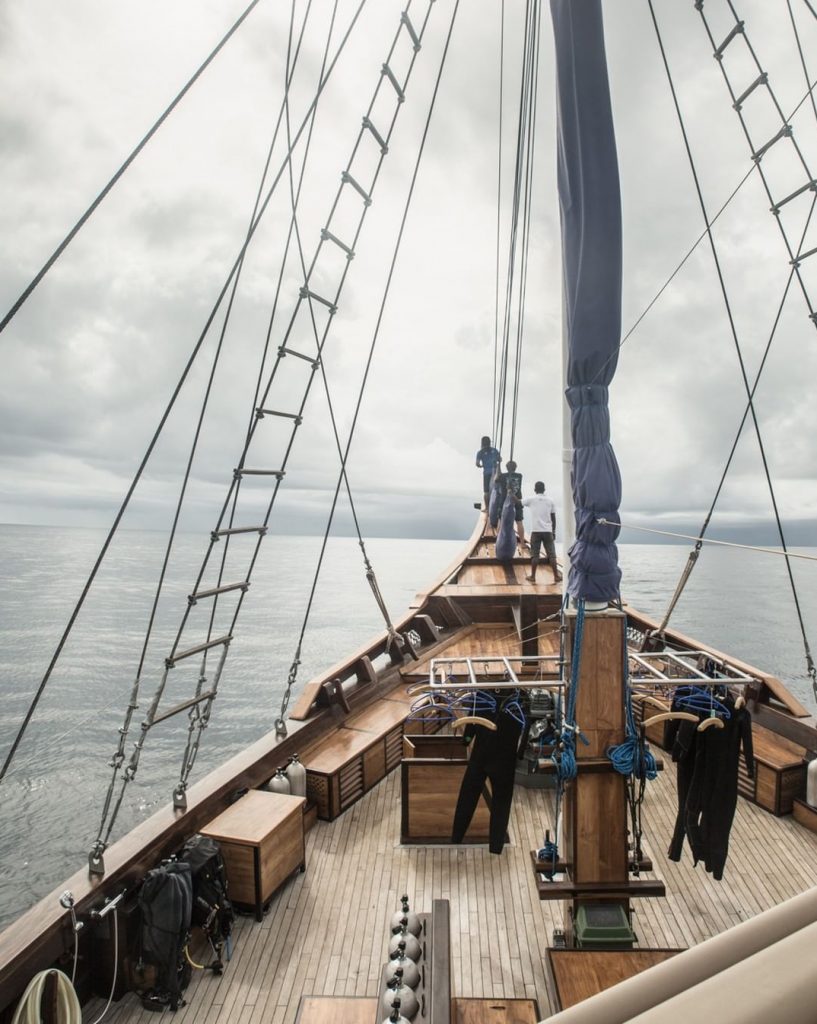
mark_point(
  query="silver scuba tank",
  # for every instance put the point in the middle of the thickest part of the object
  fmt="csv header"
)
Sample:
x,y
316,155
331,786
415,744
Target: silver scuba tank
x,y
396,989
395,1017
399,961
279,783
413,949
413,921
296,774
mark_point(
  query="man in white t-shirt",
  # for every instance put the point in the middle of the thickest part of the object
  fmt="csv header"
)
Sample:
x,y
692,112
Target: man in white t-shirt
x,y
543,530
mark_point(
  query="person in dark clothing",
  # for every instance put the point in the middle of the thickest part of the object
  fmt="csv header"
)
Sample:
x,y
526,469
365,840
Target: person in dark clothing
x,y
493,757
510,482
488,461
708,783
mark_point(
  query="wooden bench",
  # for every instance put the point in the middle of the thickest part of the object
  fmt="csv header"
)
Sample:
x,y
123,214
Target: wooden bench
x,y
343,767
780,772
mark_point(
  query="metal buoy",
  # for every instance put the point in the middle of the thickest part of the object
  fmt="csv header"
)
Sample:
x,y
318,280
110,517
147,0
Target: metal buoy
x,y
279,783
296,773
413,921
397,989
399,961
413,950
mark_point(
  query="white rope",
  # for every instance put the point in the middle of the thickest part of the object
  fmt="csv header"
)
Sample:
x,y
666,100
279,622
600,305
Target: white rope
x,y
706,540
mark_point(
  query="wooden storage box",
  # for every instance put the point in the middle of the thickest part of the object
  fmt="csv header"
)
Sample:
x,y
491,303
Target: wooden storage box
x,y
262,842
805,814
780,772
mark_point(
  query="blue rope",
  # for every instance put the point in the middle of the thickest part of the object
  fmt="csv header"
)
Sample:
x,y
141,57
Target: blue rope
x,y
633,756
565,762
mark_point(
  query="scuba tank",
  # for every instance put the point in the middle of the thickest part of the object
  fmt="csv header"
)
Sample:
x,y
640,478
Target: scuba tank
x,y
413,950
296,774
811,784
279,783
412,920
395,1017
397,989
399,961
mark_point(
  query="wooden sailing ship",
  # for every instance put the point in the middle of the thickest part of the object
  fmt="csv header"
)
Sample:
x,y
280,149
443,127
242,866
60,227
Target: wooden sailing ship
x,y
384,766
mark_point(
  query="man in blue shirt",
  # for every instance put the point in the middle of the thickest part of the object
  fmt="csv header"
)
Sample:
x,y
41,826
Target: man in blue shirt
x,y
487,460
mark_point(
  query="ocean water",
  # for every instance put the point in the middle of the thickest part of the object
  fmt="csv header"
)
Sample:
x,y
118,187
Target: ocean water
x,y
51,800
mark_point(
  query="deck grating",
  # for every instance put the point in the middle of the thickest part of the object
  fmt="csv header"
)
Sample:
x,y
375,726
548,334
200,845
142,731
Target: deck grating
x,y
326,931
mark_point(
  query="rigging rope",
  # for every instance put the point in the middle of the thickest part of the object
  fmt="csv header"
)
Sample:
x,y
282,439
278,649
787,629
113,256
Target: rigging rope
x,y
498,203
521,204
52,259
280,723
168,409
812,669
708,540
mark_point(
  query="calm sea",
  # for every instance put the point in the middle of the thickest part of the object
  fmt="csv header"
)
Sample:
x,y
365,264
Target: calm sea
x,y
51,800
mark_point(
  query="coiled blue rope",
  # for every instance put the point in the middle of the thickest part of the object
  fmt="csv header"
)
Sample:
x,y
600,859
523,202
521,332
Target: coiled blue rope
x,y
633,756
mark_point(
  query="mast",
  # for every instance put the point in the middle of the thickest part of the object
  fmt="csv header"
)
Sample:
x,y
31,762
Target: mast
x,y
595,854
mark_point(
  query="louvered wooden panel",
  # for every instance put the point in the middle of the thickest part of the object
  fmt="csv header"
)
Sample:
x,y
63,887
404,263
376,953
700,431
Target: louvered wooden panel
x,y
351,782
394,748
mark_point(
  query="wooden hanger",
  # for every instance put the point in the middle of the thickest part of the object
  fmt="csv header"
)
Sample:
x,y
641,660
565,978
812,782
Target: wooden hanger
x,y
684,716
710,723
460,723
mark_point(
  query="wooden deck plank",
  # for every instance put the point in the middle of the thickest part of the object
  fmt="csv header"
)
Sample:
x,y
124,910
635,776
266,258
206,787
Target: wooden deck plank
x,y
326,932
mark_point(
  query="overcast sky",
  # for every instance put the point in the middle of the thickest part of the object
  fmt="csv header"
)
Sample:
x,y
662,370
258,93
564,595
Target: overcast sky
x,y
90,362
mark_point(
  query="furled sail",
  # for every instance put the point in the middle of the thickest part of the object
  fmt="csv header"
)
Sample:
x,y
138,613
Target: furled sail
x,y
591,253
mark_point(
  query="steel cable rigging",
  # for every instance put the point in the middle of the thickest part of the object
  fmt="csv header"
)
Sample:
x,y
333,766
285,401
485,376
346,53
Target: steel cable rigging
x,y
762,81
519,240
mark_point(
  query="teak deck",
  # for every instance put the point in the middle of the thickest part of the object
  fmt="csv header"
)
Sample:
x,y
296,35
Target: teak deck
x,y
326,931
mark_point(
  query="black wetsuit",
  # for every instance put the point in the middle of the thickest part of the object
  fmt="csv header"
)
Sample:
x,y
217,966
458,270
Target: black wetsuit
x,y
493,757
708,784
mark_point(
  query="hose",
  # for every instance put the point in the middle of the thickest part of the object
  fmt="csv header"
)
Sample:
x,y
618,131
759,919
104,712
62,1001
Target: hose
x,y
29,1008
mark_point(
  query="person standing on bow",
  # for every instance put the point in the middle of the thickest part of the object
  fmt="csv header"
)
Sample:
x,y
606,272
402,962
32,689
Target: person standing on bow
x,y
509,485
487,460
543,530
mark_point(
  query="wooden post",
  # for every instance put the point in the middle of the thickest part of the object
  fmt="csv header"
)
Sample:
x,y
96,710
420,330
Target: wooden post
x,y
594,834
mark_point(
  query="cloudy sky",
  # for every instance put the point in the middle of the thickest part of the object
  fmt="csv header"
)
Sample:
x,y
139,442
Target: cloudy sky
x,y
90,362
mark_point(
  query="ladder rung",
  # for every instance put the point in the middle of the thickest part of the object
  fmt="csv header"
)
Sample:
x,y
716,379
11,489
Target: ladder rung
x,y
192,598
736,31
405,20
296,418
232,530
327,236
307,294
803,188
762,79
803,256
347,179
238,473
380,140
784,133
282,351
387,71
184,706
171,661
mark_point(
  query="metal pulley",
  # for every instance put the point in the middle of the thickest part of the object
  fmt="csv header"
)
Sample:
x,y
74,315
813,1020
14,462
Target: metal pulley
x,y
399,961
413,950
397,989
412,920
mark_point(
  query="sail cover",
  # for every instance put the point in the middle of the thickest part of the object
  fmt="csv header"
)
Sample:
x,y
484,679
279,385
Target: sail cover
x,y
591,253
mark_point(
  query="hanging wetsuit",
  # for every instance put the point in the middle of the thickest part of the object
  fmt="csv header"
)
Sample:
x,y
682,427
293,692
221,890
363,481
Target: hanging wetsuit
x,y
493,756
711,804
708,783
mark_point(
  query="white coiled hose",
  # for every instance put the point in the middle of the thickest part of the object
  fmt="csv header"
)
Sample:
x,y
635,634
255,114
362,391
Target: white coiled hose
x,y
29,1008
